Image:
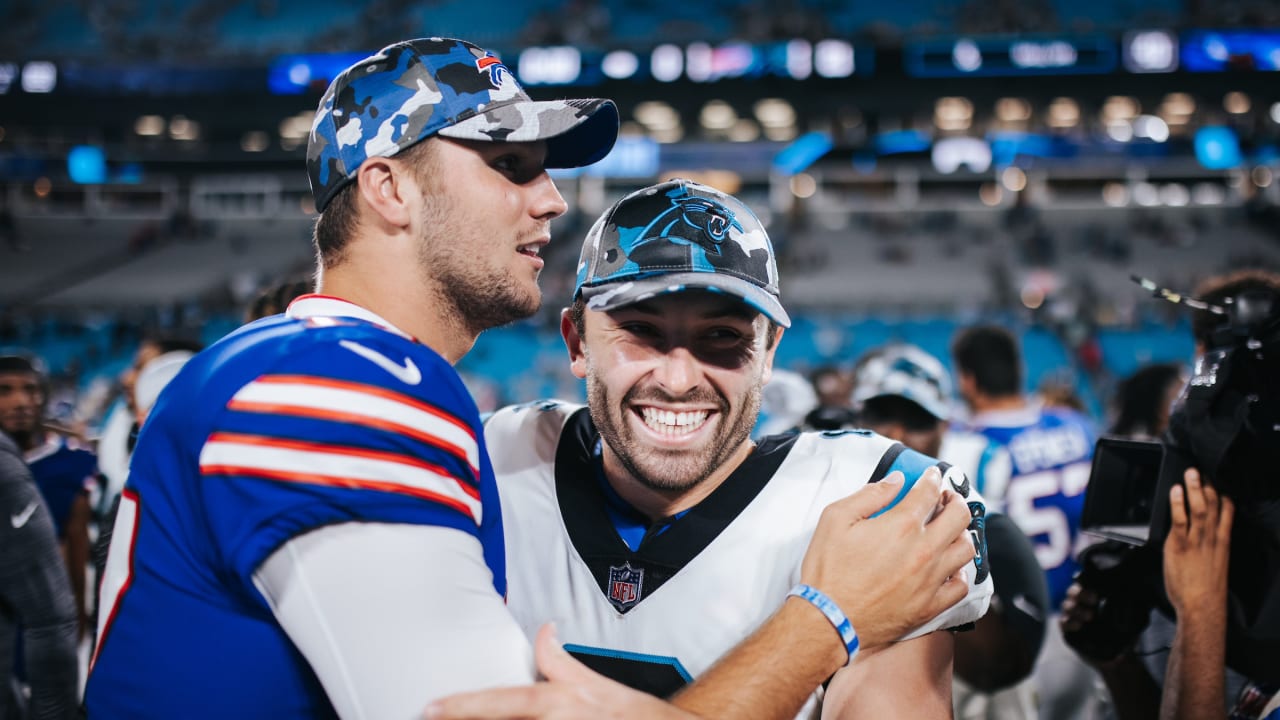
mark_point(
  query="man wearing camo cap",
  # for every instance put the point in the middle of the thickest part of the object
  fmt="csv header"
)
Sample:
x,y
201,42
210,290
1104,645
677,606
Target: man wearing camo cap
x,y
310,527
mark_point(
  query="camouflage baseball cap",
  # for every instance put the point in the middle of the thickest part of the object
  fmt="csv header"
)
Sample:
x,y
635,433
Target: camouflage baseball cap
x,y
908,372
675,236
418,88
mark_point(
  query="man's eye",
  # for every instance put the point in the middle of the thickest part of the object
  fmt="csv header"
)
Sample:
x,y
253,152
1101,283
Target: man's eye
x,y
724,335
641,329
507,163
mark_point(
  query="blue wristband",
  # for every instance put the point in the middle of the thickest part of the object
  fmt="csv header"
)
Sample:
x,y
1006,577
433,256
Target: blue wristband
x,y
834,615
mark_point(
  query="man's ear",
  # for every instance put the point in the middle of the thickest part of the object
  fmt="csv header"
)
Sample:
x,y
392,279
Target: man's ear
x,y
388,189
573,341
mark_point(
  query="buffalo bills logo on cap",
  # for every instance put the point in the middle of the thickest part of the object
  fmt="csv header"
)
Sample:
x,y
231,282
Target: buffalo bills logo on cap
x,y
625,585
492,65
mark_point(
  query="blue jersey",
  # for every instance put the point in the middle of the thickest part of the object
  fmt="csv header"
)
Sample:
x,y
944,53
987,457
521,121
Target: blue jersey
x,y
320,416
1051,451
62,473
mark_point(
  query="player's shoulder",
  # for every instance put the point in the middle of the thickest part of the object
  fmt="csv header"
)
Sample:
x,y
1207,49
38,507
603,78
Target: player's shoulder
x,y
539,416
843,444
518,433
333,352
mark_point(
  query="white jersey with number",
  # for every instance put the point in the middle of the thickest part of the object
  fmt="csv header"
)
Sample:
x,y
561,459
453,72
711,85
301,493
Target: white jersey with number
x,y
658,616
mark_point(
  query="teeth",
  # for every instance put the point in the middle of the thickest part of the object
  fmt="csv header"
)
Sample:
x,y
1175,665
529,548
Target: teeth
x,y
529,249
672,423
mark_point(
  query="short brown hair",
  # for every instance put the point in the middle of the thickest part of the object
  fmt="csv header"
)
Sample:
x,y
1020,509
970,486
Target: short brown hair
x,y
337,223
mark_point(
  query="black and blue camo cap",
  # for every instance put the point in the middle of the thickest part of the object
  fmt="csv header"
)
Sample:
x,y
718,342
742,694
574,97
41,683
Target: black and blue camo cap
x,y
675,236
414,89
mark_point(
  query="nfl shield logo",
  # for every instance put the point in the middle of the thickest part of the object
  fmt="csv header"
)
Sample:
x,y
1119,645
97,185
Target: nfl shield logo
x,y
624,586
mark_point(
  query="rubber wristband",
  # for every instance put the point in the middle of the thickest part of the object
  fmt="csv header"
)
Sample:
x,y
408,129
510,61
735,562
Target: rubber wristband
x,y
832,612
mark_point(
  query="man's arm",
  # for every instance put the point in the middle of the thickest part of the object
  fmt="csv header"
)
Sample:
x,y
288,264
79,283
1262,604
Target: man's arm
x,y
34,588
77,555
885,595
1196,557
392,616
906,679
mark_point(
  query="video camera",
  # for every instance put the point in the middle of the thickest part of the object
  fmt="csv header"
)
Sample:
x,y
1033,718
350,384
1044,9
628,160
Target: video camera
x,y
1226,423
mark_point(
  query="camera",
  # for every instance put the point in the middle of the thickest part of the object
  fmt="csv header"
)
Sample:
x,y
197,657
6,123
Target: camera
x,y
1226,423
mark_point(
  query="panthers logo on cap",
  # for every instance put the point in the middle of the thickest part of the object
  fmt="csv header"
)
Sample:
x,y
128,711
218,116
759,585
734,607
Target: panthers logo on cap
x,y
696,220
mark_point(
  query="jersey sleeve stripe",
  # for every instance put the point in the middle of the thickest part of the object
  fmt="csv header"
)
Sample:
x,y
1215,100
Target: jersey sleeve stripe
x,y
345,451
317,381
352,404
886,462
337,469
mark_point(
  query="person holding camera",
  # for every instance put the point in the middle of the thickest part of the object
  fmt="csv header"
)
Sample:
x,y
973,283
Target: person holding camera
x,y
1215,475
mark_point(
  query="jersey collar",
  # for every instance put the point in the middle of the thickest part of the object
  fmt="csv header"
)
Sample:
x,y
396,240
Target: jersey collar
x,y
312,306
1028,414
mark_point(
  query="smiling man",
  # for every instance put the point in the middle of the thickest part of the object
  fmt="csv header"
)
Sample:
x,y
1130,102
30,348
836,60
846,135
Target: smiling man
x,y
654,531
310,527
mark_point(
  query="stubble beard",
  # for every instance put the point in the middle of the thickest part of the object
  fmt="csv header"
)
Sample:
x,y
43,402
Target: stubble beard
x,y
670,473
480,295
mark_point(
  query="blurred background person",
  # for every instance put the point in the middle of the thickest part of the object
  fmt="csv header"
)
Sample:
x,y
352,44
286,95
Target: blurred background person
x,y
35,601
904,393
1051,450
64,471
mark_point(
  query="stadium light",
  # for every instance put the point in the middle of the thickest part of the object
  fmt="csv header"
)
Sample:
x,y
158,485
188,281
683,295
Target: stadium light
x,y
1275,113
1064,112
656,115
1013,110
1120,107
39,77
1177,108
953,113
1014,179
744,130
717,115
183,128
149,125
1151,128
620,64
1236,103
833,59
774,112
254,141
666,63
803,185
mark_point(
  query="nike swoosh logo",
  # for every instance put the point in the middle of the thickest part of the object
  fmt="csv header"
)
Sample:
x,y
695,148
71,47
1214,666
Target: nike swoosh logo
x,y
21,518
407,373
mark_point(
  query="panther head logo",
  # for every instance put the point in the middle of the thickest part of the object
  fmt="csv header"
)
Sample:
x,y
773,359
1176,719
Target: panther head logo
x,y
696,220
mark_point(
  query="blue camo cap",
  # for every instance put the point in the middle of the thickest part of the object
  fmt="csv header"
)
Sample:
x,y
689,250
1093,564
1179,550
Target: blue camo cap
x,y
414,89
909,372
675,236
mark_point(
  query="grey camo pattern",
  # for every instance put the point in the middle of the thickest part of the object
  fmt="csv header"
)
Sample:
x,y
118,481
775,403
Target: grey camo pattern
x,y
414,89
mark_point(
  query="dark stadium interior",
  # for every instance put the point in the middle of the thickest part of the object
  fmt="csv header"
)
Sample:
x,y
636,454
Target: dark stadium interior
x,y
1085,172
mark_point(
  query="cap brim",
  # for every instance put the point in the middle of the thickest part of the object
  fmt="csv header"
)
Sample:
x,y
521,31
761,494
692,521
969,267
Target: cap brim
x,y
620,293
578,132
939,412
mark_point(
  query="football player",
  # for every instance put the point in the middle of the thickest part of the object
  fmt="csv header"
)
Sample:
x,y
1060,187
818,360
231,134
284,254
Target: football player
x,y
1051,451
652,529
310,527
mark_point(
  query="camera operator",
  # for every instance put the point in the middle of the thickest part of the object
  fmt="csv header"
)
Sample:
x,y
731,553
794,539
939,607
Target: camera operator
x,y
1225,428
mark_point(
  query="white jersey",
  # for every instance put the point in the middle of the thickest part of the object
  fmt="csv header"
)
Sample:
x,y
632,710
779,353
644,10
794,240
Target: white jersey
x,y
659,616
985,461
